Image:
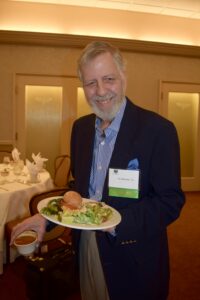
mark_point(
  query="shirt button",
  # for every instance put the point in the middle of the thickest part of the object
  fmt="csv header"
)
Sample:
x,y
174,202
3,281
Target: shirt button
x,y
102,143
98,193
99,168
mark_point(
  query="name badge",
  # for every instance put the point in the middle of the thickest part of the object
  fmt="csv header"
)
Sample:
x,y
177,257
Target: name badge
x,y
124,183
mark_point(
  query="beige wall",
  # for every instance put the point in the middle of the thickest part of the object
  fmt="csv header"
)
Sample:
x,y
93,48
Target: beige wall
x,y
146,70
144,73
28,60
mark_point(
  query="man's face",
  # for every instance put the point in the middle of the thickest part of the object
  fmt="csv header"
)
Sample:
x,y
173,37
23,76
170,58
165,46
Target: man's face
x,y
104,86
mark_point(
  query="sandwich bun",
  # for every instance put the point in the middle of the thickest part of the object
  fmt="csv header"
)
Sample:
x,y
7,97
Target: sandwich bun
x,y
72,200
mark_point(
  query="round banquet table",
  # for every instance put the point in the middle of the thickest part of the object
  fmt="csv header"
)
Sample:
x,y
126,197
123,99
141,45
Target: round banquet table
x,y
15,194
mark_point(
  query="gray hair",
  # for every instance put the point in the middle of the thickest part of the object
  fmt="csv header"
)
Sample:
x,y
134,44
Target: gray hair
x,y
94,49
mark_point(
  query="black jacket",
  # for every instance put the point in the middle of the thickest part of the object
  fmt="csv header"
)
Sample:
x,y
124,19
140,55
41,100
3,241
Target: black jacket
x,y
135,262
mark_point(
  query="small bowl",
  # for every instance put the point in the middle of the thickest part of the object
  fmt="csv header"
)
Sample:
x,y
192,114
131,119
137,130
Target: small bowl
x,y
26,243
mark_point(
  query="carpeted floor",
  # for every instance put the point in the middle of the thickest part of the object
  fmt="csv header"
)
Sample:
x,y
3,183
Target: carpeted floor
x,y
13,287
22,280
184,244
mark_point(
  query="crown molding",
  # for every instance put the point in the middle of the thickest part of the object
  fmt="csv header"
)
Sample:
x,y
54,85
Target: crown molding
x,y
79,41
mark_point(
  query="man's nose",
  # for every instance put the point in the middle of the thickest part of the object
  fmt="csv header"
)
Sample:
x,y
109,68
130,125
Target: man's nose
x,y
101,89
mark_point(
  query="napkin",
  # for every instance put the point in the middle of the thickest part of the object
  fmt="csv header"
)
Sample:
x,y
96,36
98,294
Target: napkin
x,y
15,154
32,169
39,161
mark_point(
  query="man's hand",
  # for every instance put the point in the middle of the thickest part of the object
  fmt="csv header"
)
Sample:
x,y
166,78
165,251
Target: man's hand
x,y
36,223
110,230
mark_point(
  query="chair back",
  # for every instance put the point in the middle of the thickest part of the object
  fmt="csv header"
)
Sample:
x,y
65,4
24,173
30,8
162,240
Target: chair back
x,y
62,170
58,231
3,154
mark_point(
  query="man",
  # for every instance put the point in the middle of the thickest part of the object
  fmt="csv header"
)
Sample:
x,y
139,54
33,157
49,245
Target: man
x,y
127,157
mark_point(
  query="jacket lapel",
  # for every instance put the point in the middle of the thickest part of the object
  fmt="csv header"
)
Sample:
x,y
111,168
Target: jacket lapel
x,y
126,143
126,139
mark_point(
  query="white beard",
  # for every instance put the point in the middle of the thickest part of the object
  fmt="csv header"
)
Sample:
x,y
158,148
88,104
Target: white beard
x,y
106,115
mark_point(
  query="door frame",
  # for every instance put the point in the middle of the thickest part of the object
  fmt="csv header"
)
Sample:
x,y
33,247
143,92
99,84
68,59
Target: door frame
x,y
188,183
69,106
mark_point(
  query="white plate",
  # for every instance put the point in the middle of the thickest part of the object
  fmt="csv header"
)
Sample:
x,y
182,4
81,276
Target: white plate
x,y
113,221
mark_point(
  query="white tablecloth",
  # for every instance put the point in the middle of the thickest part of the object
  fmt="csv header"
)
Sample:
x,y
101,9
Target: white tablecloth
x,y
14,201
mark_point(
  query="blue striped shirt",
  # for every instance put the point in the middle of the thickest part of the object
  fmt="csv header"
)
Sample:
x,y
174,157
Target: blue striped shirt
x,y
103,148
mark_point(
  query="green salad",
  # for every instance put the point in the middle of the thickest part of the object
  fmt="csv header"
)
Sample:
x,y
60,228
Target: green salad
x,y
93,213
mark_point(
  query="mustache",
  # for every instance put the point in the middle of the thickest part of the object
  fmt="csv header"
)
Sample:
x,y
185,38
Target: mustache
x,y
103,98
